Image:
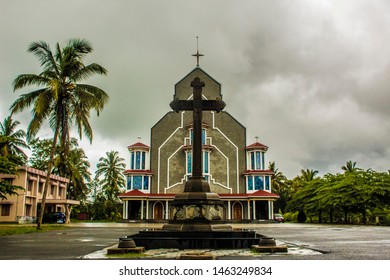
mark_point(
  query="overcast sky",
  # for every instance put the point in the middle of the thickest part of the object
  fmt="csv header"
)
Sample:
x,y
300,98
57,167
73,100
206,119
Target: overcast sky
x,y
309,78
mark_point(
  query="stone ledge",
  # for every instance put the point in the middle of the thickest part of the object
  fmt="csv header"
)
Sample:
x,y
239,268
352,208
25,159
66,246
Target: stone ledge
x,y
115,250
269,249
196,256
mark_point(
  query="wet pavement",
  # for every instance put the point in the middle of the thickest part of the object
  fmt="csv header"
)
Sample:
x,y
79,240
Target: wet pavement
x,y
305,241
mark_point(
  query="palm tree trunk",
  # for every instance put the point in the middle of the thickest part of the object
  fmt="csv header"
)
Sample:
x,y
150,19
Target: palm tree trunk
x,y
48,174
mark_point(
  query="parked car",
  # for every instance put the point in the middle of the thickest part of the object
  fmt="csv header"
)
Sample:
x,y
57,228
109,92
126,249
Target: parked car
x,y
278,218
56,217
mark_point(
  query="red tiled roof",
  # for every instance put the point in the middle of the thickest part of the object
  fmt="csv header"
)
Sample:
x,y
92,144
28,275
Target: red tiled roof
x,y
259,193
253,172
138,193
138,145
137,171
256,194
257,145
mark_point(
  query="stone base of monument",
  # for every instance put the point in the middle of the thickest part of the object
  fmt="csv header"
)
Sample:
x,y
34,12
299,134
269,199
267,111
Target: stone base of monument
x,y
187,239
268,245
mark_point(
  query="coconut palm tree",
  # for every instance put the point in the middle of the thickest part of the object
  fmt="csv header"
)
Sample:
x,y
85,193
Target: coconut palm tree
x,y
350,167
308,174
14,139
111,169
61,98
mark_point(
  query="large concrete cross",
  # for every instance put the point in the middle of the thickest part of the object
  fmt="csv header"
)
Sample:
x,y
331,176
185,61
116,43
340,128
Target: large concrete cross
x,y
197,105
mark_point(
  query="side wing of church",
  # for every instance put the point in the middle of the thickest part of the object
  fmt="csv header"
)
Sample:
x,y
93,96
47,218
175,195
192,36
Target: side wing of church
x,y
235,171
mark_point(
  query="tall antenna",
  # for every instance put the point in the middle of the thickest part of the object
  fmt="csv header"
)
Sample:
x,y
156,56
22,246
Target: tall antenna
x,y
197,52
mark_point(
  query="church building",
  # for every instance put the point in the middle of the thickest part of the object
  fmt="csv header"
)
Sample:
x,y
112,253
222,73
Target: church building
x,y
237,172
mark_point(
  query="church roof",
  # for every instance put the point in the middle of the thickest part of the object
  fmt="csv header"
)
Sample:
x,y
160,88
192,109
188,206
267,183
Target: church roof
x,y
257,146
256,194
197,69
138,145
254,172
138,171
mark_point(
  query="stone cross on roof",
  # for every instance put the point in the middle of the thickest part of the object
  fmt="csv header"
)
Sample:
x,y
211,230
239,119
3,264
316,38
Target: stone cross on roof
x,y
197,53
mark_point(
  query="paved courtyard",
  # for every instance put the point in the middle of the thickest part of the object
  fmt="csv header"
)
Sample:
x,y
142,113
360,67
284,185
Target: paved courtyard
x,y
305,241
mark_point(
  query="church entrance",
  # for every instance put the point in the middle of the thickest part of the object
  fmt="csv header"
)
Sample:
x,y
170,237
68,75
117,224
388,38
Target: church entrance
x,y
237,211
158,211
134,210
261,210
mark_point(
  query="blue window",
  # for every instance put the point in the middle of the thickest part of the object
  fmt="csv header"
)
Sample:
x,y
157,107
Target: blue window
x,y
262,160
129,183
143,161
146,182
203,136
250,183
267,183
253,161
132,160
189,163
137,182
258,160
259,183
206,162
137,160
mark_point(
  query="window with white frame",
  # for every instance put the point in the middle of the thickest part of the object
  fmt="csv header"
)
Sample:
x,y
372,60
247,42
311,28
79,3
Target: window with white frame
x,y
258,182
205,164
256,160
138,160
139,182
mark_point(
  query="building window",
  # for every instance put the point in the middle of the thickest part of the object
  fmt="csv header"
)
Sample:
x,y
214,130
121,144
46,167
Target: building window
x,y
40,187
146,182
203,136
30,185
129,183
137,182
256,160
267,183
259,183
250,183
138,160
5,210
206,164
256,183
52,189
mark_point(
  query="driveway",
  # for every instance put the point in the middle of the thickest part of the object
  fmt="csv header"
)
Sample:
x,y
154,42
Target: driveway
x,y
334,241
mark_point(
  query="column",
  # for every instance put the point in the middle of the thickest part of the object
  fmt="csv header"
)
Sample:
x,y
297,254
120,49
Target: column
x,y
166,210
125,209
142,209
270,210
147,209
254,210
249,209
229,216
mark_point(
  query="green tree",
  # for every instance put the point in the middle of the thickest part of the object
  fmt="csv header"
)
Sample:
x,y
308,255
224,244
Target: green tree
x,y
13,140
350,167
62,99
279,187
308,174
111,168
8,166
75,166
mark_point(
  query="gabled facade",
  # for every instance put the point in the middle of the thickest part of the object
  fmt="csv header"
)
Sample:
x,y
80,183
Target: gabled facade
x,y
235,171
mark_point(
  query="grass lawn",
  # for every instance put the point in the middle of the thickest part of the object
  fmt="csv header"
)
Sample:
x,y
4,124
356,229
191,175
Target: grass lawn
x,y
10,229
